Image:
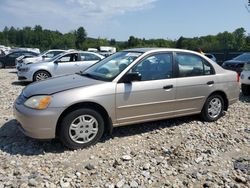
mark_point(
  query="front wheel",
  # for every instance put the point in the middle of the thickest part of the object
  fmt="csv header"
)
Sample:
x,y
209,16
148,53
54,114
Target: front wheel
x,y
41,75
81,128
213,108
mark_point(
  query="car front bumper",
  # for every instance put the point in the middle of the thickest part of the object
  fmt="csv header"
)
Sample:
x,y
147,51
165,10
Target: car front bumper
x,y
39,124
25,76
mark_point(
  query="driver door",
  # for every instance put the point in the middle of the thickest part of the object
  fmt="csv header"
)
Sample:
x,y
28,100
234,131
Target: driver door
x,y
151,98
66,64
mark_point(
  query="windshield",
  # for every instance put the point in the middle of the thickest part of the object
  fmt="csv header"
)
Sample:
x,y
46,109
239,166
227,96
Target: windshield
x,y
243,57
110,67
43,53
247,67
55,57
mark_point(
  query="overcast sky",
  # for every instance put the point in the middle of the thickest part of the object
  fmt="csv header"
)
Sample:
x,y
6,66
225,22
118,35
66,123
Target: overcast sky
x,y
121,18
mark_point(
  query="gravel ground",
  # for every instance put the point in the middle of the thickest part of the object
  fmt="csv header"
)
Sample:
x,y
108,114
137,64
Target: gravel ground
x,y
181,152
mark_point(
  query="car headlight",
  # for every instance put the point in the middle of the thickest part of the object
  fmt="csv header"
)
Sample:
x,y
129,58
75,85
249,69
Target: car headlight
x,y
38,102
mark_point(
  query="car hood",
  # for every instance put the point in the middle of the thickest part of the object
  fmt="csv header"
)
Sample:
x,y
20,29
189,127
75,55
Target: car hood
x,y
58,84
31,59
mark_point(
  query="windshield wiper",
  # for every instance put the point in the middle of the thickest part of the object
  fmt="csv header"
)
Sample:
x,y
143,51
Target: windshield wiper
x,y
82,73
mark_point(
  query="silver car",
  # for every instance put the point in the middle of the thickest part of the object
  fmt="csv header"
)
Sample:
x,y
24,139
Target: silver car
x,y
68,62
128,87
47,55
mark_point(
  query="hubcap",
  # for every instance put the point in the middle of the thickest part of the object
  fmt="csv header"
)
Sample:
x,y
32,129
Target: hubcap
x,y
83,129
214,107
41,76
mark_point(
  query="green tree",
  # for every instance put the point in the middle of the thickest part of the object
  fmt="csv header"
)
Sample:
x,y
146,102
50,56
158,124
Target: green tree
x,y
112,42
81,35
133,41
179,42
240,37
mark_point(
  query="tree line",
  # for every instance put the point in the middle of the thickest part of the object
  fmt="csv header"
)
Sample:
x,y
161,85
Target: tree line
x,y
44,39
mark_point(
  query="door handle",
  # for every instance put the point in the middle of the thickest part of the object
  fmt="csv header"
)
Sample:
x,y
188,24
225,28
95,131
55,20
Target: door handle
x,y
168,87
210,82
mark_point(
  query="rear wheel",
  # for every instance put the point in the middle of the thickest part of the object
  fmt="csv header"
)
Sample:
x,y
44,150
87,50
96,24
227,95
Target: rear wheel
x,y
41,75
213,108
81,128
1,65
245,89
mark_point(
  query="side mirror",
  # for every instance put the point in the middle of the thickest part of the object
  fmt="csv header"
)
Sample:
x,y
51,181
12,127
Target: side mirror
x,y
130,77
44,56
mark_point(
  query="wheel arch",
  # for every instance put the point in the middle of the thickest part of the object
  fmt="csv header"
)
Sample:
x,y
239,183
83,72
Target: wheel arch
x,y
39,71
92,105
223,95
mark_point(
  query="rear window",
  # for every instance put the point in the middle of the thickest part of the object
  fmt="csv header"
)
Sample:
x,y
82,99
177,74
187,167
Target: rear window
x,y
192,65
243,57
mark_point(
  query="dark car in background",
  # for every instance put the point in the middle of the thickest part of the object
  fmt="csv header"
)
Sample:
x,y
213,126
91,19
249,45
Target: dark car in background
x,y
237,63
9,59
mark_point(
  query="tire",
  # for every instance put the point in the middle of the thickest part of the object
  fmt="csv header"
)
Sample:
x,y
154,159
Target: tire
x,y
245,89
41,75
213,108
77,132
2,65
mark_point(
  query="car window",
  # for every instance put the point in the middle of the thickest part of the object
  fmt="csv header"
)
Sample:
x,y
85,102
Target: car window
x,y
14,55
155,67
68,58
109,68
50,54
209,56
27,53
56,53
192,65
89,57
243,57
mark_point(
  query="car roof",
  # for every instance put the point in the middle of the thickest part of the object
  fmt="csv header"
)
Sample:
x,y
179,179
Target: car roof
x,y
144,50
16,51
56,50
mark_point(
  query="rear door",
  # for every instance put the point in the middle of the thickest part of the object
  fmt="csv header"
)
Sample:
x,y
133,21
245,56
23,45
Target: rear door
x,y
196,80
151,98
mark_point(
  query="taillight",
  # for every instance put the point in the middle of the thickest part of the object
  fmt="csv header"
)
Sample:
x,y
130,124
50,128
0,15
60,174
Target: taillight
x,y
238,77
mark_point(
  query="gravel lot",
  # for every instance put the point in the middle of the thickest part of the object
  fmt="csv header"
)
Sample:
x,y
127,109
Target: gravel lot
x,y
182,152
